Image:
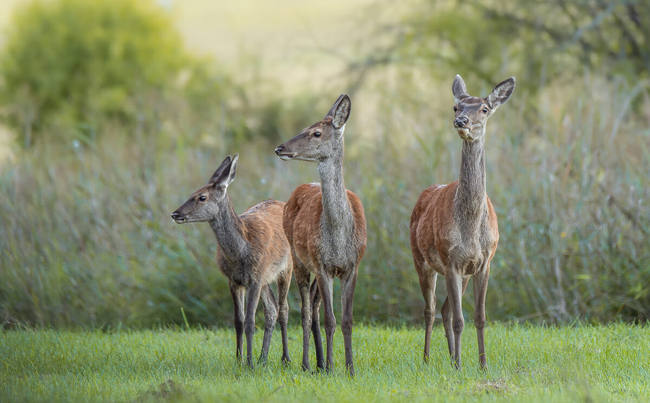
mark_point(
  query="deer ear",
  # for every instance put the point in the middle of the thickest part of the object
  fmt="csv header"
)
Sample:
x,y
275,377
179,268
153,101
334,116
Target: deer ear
x,y
458,89
501,93
219,172
233,170
340,111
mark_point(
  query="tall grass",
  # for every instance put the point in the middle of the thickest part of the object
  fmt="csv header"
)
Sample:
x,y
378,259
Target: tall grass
x,y
86,239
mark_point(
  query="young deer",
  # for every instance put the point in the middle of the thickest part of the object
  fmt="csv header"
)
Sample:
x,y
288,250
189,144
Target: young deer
x,y
252,253
326,229
454,228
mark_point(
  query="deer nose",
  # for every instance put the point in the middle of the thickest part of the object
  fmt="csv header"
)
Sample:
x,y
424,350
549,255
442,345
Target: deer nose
x,y
175,215
461,122
279,149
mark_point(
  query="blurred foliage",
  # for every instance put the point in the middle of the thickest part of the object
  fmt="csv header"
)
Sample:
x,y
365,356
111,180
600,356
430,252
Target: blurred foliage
x,y
70,67
86,237
75,61
536,41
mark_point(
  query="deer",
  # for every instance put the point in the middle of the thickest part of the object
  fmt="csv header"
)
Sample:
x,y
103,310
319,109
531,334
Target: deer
x,y
326,228
454,229
253,252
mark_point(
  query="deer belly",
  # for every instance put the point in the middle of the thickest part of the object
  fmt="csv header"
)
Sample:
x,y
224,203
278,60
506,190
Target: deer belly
x,y
237,274
336,252
475,262
472,268
337,264
433,261
337,260
273,271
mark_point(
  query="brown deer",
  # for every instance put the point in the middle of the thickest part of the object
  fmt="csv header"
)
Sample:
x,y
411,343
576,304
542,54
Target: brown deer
x,y
454,228
252,253
326,229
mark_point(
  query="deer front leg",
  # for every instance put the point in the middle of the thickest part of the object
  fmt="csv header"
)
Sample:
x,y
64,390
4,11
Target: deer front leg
x,y
455,289
238,295
325,283
347,299
447,319
302,278
480,289
252,299
428,287
270,318
315,324
283,316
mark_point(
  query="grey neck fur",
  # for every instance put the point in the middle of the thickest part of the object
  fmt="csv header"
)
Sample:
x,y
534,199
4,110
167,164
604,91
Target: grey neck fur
x,y
337,213
471,201
228,228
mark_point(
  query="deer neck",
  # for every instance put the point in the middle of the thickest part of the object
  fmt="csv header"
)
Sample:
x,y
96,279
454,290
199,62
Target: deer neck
x,y
471,201
229,230
337,213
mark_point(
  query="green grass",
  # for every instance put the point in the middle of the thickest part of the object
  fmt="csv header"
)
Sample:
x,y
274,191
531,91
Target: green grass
x,y
526,363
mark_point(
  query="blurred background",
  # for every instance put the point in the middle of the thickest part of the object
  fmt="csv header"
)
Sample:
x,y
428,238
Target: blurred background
x,y
113,111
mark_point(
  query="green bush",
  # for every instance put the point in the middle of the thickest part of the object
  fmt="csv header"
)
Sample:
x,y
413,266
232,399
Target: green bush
x,y
75,61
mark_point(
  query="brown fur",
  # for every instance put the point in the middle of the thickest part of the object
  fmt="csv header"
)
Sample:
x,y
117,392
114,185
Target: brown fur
x,y
252,253
431,226
302,217
261,227
326,228
454,229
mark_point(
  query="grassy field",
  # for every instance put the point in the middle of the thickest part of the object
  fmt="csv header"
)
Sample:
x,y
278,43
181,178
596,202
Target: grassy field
x,y
526,363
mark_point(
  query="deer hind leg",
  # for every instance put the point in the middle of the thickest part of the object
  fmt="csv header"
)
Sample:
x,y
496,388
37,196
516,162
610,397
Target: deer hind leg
x,y
270,318
480,289
302,278
283,316
452,311
428,287
238,298
325,283
252,299
348,283
315,324
447,318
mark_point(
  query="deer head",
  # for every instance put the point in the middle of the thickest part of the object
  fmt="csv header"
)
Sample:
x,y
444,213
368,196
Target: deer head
x,y
204,204
320,140
472,113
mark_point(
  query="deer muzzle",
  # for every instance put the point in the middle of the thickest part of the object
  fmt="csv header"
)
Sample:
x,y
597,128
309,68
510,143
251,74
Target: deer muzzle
x,y
178,218
281,151
461,122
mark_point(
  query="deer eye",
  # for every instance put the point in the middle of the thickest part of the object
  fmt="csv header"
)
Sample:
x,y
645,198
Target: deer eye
x,y
485,110
455,109
203,198
317,134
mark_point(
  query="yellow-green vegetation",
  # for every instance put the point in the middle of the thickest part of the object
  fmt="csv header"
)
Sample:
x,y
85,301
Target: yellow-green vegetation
x,y
85,234
526,363
86,237
68,62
